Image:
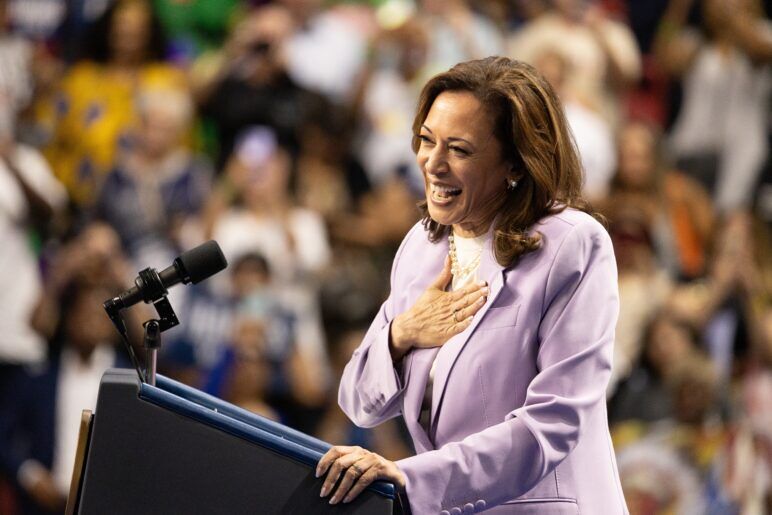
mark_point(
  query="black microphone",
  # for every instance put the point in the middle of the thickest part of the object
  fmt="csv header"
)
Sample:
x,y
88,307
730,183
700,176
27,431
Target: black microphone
x,y
192,266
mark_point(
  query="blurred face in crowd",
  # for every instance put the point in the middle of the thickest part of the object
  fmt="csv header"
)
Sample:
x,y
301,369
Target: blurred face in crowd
x,y
553,67
302,9
670,344
413,43
573,9
251,373
164,121
637,156
249,276
259,39
99,249
694,391
267,181
461,160
86,325
130,30
440,6
714,13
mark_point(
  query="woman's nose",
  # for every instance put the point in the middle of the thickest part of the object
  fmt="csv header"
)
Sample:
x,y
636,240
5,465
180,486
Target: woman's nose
x,y
436,162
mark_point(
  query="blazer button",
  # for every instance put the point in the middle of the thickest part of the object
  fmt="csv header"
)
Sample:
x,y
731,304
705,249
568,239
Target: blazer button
x,y
479,505
455,511
468,508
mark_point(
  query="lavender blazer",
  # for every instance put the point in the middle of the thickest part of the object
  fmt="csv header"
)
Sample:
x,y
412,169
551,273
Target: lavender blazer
x,y
518,409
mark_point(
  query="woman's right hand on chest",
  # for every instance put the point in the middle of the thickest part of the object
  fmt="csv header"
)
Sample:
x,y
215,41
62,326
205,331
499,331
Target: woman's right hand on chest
x,y
437,315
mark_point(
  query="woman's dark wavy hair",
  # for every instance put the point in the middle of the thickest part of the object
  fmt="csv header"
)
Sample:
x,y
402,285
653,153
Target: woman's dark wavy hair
x,y
98,46
531,127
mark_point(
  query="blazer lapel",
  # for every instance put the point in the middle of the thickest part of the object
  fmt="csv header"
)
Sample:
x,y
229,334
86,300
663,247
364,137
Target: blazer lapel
x,y
431,261
421,363
493,273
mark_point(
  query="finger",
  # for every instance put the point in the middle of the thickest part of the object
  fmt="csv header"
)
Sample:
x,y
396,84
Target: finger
x,y
470,299
468,289
329,457
363,482
352,475
468,312
442,280
337,468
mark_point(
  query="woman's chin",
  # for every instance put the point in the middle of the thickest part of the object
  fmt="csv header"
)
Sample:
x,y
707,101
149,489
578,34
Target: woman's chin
x,y
441,216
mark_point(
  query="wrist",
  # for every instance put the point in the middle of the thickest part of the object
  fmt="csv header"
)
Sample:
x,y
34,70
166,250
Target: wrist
x,y
399,342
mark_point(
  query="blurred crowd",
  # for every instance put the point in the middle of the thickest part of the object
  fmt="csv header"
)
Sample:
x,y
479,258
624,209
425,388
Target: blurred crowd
x,y
131,130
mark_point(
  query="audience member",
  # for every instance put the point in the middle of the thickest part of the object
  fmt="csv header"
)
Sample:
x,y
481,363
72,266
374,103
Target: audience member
x,y
678,209
602,52
457,33
249,84
40,410
158,183
95,107
592,133
720,134
29,198
326,48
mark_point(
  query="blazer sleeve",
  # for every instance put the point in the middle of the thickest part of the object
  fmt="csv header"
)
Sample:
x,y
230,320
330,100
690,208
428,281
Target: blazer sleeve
x,y
372,386
575,340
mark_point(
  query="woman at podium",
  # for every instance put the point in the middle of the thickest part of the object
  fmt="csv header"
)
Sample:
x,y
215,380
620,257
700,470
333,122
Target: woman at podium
x,y
495,343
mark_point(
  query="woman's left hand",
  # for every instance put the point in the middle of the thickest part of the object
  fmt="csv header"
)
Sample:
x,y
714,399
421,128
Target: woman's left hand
x,y
359,467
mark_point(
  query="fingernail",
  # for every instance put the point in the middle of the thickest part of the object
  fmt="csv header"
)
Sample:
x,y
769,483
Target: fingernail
x,y
481,300
346,499
323,492
333,500
316,473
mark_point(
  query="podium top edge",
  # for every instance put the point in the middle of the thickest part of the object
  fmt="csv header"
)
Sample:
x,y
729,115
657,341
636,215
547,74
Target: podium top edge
x,y
221,415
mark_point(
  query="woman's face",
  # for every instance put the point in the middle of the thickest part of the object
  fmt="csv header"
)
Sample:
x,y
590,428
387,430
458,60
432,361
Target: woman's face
x,y
637,158
669,345
130,31
461,160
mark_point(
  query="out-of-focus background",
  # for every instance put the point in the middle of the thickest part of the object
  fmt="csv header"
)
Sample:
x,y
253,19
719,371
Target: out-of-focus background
x,y
133,129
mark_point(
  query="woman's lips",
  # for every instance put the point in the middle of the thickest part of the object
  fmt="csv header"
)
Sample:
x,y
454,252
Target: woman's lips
x,y
442,195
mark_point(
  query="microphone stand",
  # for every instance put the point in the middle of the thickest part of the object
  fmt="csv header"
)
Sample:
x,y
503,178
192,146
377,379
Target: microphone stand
x,y
153,291
152,338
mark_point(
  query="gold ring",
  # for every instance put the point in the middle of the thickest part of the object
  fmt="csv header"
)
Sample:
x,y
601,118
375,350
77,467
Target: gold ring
x,y
358,470
455,312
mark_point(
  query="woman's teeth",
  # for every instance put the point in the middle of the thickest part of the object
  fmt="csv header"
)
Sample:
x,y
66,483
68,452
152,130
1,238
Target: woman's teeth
x,y
444,192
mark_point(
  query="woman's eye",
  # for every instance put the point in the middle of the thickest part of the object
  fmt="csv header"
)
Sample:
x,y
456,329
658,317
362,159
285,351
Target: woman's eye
x,y
424,139
460,150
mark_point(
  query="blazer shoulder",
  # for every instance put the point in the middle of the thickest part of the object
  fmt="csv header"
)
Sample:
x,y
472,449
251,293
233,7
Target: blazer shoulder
x,y
412,245
560,225
571,224
416,239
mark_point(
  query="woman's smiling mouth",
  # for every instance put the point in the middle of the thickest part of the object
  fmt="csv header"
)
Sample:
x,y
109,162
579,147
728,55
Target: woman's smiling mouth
x,y
441,194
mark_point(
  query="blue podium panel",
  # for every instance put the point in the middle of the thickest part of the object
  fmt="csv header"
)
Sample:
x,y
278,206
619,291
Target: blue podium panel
x,y
171,449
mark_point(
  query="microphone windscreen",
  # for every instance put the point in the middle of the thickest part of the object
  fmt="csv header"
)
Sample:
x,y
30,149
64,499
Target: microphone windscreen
x,y
201,262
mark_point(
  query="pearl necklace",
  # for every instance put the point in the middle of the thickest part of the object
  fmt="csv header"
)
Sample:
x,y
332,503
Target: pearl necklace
x,y
455,267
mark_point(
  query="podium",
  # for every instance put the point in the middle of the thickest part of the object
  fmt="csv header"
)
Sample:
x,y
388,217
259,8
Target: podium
x,y
171,449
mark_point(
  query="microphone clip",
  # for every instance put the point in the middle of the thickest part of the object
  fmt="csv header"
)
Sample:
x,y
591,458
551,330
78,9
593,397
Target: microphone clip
x,y
167,318
151,286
